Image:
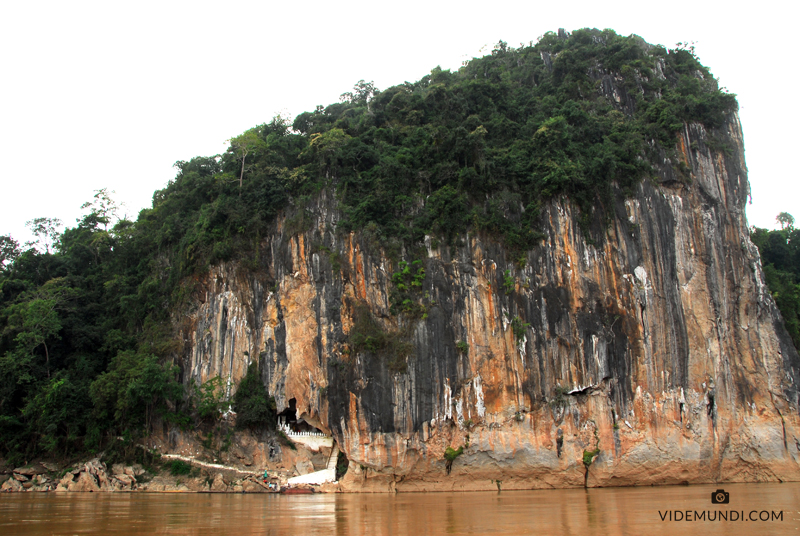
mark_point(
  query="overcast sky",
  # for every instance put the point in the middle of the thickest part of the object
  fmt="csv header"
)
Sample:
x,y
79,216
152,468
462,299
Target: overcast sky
x,y
111,94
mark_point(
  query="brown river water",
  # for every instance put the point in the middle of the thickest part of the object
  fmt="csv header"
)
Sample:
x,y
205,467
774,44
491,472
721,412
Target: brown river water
x,y
607,511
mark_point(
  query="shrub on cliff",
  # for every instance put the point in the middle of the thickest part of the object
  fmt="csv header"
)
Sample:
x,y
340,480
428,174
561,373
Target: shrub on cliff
x,y
450,455
253,406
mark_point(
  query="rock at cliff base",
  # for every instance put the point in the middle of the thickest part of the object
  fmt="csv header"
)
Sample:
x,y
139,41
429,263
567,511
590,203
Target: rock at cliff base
x,y
11,485
251,487
85,482
219,483
66,480
30,471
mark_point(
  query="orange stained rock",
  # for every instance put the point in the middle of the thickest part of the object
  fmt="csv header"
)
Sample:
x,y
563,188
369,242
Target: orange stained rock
x,y
682,147
490,306
361,280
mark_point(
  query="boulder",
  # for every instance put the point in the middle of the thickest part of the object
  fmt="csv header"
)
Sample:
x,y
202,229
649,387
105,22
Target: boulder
x,y
219,483
123,482
103,481
30,470
248,486
198,484
95,467
11,485
52,467
86,482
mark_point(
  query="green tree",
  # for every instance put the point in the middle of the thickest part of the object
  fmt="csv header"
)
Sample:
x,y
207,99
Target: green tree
x,y
46,232
135,390
57,411
103,207
786,220
209,399
780,257
253,405
36,320
9,250
245,144
362,93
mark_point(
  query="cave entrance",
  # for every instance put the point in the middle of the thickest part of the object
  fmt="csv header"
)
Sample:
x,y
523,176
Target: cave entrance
x,y
291,424
288,416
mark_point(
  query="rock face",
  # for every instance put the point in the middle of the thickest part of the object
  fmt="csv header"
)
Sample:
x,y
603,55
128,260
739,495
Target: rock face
x,y
94,476
648,336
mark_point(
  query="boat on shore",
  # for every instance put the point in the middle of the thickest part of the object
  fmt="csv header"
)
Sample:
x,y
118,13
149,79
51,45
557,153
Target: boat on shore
x,y
296,491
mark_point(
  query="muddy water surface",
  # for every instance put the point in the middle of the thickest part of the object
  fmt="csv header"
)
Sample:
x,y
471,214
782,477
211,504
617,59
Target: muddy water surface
x,y
612,511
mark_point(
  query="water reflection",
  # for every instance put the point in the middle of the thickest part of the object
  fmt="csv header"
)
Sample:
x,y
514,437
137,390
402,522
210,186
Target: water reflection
x,y
612,511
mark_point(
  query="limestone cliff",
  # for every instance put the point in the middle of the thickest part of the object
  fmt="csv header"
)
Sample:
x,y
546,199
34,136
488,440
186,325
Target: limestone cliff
x,y
648,335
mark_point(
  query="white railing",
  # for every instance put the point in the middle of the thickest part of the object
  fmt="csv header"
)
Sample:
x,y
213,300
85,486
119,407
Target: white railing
x,y
286,429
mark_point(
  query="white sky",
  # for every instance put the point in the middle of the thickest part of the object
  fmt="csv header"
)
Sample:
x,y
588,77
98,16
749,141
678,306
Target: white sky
x,y
111,94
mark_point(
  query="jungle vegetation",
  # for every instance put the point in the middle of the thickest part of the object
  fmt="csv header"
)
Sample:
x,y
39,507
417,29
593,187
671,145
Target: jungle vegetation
x,y
780,259
86,337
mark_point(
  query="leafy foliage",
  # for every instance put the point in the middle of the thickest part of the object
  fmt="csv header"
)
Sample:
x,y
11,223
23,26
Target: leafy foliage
x,y
780,258
518,327
405,293
342,463
253,406
179,467
589,456
209,399
368,336
450,455
509,283
483,146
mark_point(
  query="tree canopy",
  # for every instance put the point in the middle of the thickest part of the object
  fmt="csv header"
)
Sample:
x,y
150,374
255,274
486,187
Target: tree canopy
x,y
780,258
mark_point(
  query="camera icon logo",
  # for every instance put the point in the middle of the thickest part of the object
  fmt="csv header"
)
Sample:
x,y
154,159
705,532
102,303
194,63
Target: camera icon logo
x,y
720,497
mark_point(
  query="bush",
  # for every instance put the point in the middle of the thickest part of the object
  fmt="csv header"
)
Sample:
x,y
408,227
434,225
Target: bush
x,y
342,463
253,406
367,335
179,467
589,456
450,455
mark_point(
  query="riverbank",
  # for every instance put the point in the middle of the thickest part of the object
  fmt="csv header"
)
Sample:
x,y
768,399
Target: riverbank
x,y
188,475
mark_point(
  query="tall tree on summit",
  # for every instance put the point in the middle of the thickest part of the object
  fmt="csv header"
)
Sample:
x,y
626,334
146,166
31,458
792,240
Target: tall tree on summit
x,y
243,145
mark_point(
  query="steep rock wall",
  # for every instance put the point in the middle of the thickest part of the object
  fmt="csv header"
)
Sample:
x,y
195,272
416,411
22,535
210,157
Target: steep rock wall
x,y
649,336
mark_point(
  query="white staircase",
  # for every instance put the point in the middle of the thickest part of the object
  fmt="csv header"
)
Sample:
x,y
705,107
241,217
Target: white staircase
x,y
333,460
320,477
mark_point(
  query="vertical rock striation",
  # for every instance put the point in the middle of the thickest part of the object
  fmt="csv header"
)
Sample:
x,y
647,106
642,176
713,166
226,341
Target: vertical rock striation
x,y
649,335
